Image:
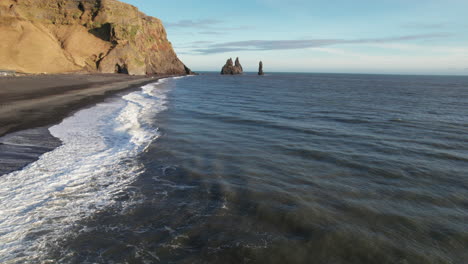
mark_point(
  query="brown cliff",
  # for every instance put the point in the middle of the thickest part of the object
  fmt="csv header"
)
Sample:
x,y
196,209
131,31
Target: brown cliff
x,y
106,36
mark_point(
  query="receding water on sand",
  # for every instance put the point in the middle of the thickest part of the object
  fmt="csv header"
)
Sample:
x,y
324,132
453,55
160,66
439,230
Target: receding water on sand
x,y
21,148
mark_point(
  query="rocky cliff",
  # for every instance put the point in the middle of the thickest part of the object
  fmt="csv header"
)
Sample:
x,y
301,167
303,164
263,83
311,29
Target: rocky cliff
x,y
231,68
105,36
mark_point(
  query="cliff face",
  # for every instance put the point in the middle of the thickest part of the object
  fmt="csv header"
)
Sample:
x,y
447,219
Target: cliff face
x,y
92,35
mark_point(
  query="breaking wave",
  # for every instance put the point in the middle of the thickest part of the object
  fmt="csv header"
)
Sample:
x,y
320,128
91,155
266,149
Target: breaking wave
x,y
96,161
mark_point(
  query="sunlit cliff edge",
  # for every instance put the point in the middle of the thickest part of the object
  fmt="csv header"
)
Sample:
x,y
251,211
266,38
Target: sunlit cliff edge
x,y
106,36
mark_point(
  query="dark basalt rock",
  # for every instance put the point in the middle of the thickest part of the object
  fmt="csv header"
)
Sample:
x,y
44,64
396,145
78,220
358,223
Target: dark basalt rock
x,y
121,68
238,65
231,68
188,71
260,69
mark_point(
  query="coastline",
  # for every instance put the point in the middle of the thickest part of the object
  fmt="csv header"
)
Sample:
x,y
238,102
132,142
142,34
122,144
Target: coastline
x,y
36,101
29,105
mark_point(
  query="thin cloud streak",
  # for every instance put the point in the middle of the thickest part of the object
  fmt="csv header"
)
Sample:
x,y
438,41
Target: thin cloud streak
x,y
421,25
213,26
202,23
216,33
201,42
263,45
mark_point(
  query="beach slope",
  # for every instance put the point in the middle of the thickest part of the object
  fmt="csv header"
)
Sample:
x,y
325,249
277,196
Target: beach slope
x,y
42,100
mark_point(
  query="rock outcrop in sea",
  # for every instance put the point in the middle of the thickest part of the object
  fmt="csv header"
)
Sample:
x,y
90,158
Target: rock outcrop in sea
x,y
232,68
260,69
105,36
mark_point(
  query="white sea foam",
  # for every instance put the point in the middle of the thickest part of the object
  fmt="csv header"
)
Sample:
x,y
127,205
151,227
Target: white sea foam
x,y
42,202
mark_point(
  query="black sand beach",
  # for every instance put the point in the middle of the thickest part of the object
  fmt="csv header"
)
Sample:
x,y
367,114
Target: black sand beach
x,y
41,100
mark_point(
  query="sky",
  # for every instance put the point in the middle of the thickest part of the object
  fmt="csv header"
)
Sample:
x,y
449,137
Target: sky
x,y
333,36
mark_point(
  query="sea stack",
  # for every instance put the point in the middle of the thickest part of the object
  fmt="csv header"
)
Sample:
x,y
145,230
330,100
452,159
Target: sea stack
x,y
260,69
232,68
238,65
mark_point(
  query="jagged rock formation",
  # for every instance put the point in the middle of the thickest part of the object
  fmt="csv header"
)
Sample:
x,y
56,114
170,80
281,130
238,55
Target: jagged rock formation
x,y
106,36
260,69
238,65
231,68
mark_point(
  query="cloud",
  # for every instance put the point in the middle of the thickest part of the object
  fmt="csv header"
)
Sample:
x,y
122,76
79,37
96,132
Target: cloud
x,y
461,49
262,45
213,26
202,23
201,42
186,47
211,33
422,25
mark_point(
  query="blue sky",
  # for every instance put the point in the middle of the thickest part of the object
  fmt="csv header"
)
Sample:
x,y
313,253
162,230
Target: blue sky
x,y
342,36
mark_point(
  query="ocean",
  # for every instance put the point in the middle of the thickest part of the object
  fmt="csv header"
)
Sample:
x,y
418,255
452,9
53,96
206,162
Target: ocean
x,y
281,168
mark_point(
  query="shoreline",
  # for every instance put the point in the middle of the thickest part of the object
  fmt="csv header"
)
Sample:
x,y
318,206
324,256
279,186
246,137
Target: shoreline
x,y
29,105
28,102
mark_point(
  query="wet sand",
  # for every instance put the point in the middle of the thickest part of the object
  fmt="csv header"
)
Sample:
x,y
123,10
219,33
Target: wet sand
x,y
36,101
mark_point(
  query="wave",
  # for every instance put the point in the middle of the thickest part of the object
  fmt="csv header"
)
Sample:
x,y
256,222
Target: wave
x,y
96,161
